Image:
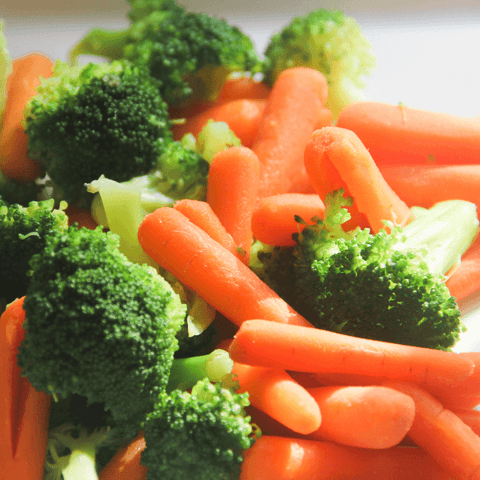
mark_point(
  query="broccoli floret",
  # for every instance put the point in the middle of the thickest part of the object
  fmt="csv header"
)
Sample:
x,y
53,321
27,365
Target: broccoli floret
x,y
190,53
199,435
329,41
96,119
23,232
14,191
98,325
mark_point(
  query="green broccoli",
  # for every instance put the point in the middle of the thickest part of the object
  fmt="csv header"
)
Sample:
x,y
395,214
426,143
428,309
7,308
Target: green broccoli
x,y
199,435
14,191
387,286
330,42
23,232
96,119
190,53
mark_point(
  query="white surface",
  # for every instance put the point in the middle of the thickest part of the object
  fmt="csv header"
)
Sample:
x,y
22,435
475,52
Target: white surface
x,y
428,52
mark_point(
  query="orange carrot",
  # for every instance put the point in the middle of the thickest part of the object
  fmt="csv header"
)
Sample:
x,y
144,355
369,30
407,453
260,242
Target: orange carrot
x,y
201,214
242,116
276,393
396,134
273,220
25,411
82,217
203,265
336,158
471,417
293,112
365,417
442,434
232,192
283,458
235,88
27,72
125,464
297,348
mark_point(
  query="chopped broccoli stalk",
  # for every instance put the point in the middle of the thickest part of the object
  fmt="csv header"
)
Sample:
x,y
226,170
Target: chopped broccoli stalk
x,y
328,41
199,435
23,232
190,53
99,326
213,138
96,119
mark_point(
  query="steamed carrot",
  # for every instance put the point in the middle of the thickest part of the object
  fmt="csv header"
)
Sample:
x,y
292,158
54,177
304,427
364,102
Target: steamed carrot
x,y
365,417
283,458
336,158
82,217
297,348
273,220
471,417
242,116
25,411
206,267
396,134
232,192
235,88
27,72
276,393
293,112
442,434
125,464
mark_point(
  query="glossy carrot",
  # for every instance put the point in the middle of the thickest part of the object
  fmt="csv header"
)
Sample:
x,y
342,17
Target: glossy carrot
x,y
232,191
206,267
273,220
125,464
336,158
297,348
470,417
284,458
364,417
293,112
399,135
441,433
276,393
25,411
27,72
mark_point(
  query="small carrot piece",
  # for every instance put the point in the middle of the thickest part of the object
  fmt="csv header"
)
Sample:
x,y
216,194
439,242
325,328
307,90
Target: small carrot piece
x,y
27,72
297,348
442,434
293,112
242,116
471,417
232,192
276,393
125,464
273,220
396,134
25,411
82,217
284,458
365,417
235,88
336,158
203,265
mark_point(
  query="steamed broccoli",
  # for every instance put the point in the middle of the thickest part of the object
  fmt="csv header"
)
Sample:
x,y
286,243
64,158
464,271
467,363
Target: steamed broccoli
x,y
190,53
387,286
199,435
96,119
329,41
23,232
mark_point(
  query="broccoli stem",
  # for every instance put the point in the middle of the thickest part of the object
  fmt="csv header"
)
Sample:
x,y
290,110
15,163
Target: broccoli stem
x,y
186,372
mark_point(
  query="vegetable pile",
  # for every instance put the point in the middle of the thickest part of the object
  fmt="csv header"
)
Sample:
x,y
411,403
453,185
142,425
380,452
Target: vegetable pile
x,y
225,265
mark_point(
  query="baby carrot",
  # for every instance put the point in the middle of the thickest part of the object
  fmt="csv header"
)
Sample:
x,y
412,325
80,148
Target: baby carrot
x,y
81,216
276,393
336,158
243,87
365,417
442,434
21,87
273,220
232,192
471,417
125,464
297,348
293,112
396,134
203,265
284,458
